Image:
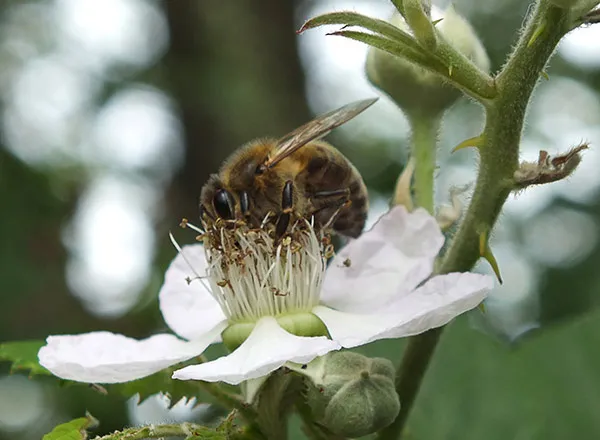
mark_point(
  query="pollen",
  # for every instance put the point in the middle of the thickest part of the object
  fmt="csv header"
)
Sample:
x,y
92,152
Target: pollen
x,y
252,274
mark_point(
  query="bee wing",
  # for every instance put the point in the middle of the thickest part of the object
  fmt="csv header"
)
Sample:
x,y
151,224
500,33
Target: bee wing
x,y
316,129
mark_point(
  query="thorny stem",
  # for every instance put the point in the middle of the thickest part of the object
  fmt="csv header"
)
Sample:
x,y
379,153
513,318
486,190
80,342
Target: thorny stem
x,y
499,160
183,430
424,140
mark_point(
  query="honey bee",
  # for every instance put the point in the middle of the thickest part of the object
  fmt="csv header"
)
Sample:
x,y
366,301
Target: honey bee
x,y
297,176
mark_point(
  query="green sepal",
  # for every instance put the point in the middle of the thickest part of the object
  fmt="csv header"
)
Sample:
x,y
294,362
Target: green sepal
x,y
377,26
416,56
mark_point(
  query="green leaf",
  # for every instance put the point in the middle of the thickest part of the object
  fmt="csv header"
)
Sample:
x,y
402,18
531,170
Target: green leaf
x,y
23,356
73,430
543,388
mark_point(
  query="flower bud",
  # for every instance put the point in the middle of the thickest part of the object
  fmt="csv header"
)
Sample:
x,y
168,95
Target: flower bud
x,y
353,395
414,89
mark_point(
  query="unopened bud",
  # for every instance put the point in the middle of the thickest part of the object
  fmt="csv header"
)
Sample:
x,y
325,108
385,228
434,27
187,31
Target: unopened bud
x,y
352,395
414,89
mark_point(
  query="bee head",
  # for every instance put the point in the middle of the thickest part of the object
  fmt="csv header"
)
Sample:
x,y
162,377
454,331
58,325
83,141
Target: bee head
x,y
216,201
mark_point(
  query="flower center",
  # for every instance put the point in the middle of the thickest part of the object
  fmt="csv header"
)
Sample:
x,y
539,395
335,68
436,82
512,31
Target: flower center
x,y
299,324
253,275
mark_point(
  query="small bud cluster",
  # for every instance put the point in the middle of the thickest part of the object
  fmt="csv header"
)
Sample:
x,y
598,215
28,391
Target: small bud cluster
x,y
352,395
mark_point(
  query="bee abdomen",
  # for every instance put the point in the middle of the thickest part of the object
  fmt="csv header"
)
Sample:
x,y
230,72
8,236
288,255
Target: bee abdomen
x,y
351,221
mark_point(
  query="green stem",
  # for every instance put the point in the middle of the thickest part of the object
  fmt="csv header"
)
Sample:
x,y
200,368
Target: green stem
x,y
275,400
228,400
184,430
502,134
461,71
499,160
424,143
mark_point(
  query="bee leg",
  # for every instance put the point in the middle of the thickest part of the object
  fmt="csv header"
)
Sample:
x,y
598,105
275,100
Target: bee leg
x,y
328,205
287,206
344,204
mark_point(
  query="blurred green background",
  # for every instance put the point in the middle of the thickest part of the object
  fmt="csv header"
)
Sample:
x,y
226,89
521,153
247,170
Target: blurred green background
x,y
114,113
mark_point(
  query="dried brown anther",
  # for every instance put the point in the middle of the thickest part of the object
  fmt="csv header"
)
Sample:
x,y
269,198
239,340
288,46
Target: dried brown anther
x,y
548,168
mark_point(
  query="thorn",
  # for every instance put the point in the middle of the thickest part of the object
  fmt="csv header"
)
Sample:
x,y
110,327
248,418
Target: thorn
x,y
486,252
539,31
483,237
450,70
481,307
544,75
476,141
435,22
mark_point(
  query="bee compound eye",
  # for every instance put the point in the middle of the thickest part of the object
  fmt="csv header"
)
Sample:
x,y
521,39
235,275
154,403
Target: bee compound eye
x,y
224,204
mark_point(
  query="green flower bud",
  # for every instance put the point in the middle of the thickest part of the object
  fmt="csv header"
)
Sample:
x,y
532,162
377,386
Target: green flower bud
x,y
352,395
414,89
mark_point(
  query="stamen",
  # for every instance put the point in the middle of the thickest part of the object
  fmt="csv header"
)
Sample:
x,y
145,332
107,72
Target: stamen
x,y
195,228
197,276
252,274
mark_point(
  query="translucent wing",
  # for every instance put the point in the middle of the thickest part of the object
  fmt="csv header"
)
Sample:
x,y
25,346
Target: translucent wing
x,y
316,129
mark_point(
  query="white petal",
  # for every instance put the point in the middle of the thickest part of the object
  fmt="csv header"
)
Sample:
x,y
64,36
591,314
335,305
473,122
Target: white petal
x,y
434,304
267,348
104,357
187,306
386,262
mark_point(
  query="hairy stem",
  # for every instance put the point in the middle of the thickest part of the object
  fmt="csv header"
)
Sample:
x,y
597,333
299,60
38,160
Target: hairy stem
x,y
499,159
424,140
502,134
183,430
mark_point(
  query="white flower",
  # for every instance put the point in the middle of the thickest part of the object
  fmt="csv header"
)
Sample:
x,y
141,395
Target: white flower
x,y
276,303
